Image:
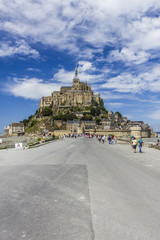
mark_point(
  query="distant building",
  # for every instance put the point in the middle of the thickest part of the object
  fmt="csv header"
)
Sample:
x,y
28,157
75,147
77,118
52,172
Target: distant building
x,y
87,124
79,93
73,126
15,129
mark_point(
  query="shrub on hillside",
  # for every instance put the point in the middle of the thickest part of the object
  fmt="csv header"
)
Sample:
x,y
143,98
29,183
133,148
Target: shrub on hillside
x,y
46,111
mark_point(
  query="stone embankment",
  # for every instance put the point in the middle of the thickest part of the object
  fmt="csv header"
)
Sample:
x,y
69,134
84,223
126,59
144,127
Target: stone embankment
x,y
154,146
27,142
9,142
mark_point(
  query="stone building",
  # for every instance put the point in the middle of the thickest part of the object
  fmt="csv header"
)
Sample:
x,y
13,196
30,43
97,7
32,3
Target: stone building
x,y
15,129
88,124
79,93
74,126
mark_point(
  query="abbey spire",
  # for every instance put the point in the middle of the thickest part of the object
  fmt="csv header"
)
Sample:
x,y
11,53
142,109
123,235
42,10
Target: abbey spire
x,y
76,73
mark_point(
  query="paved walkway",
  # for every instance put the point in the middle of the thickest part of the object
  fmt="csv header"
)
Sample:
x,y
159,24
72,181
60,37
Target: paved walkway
x,y
80,189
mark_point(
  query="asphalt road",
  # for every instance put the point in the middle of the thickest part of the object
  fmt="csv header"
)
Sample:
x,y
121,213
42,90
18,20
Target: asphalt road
x,y
79,189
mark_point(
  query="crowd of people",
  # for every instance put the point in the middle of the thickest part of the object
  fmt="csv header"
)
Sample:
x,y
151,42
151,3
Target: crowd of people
x,y
110,138
113,139
71,135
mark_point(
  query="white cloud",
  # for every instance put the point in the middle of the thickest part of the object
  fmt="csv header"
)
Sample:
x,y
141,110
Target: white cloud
x,y
20,47
25,87
64,77
86,72
126,82
62,23
85,66
129,56
33,69
144,33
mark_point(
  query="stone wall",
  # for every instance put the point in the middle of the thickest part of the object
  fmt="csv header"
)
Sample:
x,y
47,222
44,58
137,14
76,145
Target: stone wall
x,y
145,133
117,133
154,134
59,132
136,131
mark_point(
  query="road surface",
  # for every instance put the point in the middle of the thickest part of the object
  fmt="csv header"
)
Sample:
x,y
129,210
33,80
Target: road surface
x,y
79,189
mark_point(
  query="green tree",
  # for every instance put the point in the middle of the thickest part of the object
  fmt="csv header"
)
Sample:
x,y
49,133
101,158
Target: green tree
x,y
103,109
87,118
98,111
101,102
46,111
119,114
98,121
30,117
65,117
33,123
93,111
25,122
106,116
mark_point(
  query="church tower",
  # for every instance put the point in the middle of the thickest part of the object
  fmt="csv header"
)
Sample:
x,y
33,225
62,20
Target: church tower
x,y
76,79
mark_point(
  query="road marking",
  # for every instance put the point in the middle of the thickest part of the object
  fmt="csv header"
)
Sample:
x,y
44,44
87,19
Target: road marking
x,y
148,165
82,198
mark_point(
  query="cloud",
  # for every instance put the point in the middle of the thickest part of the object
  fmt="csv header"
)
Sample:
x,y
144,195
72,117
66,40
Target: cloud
x,y
73,26
20,47
144,33
129,56
86,72
63,76
126,82
33,70
84,66
25,87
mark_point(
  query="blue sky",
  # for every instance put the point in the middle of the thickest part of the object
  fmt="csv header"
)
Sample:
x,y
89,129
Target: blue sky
x,y
116,44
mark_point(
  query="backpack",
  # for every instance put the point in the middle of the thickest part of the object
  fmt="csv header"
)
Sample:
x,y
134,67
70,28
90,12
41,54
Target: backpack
x,y
140,142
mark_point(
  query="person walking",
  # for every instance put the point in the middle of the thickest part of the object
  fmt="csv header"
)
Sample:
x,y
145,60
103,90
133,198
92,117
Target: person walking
x,y
134,144
109,139
140,144
99,139
103,139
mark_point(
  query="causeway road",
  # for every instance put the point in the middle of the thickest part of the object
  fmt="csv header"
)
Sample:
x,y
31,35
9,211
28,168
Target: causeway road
x,y
80,189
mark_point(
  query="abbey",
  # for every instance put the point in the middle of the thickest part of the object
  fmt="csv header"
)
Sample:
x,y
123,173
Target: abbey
x,y
78,94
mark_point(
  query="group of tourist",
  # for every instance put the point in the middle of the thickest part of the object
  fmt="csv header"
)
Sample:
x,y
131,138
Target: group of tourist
x,y
110,138
71,135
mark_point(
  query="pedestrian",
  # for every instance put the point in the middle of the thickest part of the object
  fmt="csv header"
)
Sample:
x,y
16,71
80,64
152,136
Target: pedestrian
x,y
140,144
115,139
109,139
99,139
112,139
134,144
157,142
103,139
